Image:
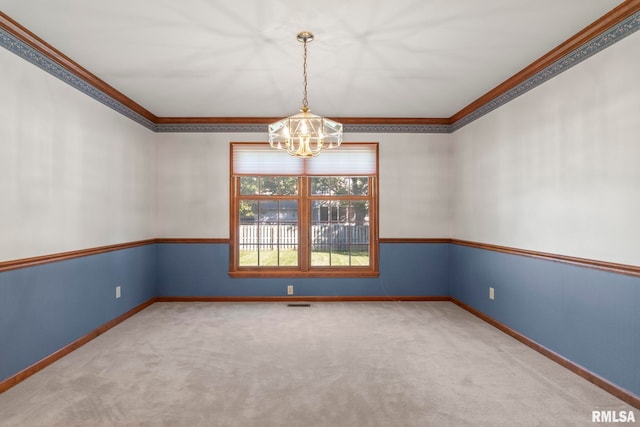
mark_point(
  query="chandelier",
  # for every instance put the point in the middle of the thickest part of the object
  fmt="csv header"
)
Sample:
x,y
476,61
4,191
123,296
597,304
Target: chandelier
x,y
305,134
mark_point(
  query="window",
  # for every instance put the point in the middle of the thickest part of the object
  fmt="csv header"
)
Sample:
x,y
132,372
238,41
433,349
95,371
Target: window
x,y
295,217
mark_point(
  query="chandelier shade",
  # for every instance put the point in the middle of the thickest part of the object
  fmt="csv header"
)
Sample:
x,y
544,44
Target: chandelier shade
x,y
305,134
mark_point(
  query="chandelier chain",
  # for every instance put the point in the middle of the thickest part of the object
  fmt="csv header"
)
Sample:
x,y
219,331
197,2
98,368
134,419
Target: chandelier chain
x,y
305,102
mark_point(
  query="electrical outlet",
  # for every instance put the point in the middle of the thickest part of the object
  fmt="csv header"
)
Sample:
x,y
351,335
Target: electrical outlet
x,y
117,292
492,294
290,290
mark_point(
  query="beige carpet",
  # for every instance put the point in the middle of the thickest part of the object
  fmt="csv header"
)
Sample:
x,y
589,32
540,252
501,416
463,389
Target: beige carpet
x,y
331,364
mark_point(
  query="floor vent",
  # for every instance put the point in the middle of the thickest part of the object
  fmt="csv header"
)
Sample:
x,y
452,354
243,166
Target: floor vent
x,y
298,305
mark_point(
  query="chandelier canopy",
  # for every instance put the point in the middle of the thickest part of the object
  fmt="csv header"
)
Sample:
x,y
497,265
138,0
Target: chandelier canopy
x,y
305,134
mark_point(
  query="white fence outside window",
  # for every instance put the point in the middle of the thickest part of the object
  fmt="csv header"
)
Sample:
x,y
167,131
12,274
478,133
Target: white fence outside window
x,y
286,236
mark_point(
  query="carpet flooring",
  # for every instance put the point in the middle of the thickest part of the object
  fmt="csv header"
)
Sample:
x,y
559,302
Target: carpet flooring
x,y
330,364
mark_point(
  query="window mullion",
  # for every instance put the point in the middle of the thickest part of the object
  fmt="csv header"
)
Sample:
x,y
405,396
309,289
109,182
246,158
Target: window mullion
x,y
373,220
304,223
234,221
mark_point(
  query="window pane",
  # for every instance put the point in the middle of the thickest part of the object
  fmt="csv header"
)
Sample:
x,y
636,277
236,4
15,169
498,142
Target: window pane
x,y
289,257
248,211
288,236
320,235
360,255
268,255
248,255
344,211
288,233
320,255
248,233
360,234
360,186
340,237
288,185
288,212
319,212
340,258
320,243
248,185
322,186
326,232
331,185
268,212
360,212
268,185
329,211
342,186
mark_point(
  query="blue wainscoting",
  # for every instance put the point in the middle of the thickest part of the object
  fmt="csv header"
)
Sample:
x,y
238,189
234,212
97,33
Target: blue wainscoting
x,y
589,316
201,269
46,307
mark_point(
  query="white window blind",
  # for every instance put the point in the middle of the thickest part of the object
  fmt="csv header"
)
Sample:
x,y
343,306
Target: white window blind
x,y
261,159
348,159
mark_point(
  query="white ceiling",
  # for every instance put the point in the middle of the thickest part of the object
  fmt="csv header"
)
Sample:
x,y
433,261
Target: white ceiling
x,y
370,58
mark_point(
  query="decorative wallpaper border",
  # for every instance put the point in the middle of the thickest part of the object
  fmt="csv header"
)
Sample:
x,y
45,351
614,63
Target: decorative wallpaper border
x,y
259,127
210,127
382,128
607,38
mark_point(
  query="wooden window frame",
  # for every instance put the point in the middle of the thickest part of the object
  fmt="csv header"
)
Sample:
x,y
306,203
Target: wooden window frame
x,y
305,198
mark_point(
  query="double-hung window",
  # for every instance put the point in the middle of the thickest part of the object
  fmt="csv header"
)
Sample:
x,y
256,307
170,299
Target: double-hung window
x,y
293,217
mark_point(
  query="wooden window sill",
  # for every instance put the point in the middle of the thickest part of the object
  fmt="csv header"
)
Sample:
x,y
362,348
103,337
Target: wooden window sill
x,y
319,273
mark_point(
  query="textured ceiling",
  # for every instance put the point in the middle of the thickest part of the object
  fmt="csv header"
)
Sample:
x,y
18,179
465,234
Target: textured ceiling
x,y
370,58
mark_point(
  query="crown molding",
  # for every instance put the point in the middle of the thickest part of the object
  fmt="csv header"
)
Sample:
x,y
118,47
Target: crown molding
x,y
619,23
609,29
19,40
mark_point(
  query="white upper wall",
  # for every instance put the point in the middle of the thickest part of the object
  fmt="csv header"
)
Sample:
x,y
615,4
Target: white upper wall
x,y
74,174
558,168
193,183
415,183
555,170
